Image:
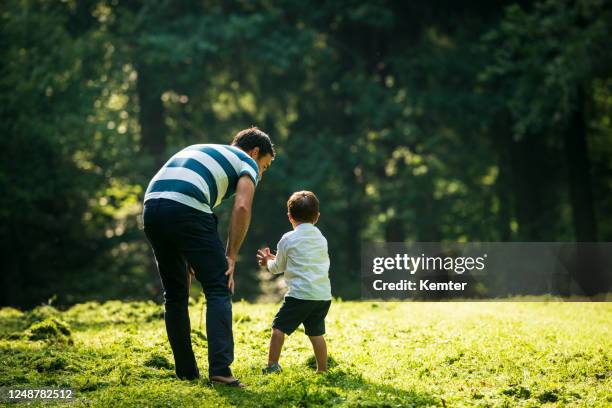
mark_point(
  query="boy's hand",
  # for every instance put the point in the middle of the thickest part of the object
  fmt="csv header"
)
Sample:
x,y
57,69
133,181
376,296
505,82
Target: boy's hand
x,y
263,256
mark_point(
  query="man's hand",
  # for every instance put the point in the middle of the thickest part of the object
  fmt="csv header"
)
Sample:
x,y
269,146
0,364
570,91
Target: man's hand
x,y
263,256
231,265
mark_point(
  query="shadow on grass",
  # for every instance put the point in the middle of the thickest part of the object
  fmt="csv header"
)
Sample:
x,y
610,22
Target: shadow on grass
x,y
337,387
93,371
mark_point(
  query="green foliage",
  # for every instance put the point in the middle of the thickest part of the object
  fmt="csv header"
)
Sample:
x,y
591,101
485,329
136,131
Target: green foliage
x,y
47,364
40,313
444,354
545,55
51,329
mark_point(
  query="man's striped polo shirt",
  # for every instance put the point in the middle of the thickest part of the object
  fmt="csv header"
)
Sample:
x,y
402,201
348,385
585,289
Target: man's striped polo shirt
x,y
202,175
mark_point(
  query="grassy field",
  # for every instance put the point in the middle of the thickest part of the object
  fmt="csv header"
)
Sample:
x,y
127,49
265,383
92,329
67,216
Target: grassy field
x,y
383,354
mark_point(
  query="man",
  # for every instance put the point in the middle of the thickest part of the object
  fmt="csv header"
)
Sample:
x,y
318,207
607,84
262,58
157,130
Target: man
x,y
182,229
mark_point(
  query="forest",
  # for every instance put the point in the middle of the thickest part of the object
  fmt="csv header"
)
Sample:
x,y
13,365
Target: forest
x,y
437,121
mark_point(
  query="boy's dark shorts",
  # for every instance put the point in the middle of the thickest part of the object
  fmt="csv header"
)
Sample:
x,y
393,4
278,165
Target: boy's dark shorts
x,y
294,312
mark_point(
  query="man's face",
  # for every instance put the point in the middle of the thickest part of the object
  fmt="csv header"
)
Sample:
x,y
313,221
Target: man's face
x,y
263,162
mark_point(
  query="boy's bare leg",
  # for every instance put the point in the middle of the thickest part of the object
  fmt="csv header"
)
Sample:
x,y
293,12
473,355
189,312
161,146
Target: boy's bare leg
x,y
276,345
320,350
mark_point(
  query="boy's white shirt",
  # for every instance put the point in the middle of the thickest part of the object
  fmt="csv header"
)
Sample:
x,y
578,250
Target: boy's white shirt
x,y
302,256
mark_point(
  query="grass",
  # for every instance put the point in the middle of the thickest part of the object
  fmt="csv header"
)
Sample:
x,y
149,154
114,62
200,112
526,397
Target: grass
x,y
384,354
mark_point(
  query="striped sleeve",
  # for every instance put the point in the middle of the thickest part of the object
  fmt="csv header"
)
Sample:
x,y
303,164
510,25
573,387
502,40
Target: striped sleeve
x,y
247,165
248,170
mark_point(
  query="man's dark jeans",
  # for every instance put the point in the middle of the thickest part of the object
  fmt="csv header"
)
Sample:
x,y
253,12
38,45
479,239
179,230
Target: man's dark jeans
x,y
179,235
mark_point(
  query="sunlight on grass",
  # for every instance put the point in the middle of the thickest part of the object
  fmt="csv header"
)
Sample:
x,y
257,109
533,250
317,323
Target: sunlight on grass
x,y
384,354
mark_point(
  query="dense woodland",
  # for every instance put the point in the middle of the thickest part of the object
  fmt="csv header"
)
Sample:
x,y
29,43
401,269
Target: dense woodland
x,y
412,121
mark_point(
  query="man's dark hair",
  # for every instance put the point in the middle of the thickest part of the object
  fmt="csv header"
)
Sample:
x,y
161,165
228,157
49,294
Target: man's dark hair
x,y
303,206
250,138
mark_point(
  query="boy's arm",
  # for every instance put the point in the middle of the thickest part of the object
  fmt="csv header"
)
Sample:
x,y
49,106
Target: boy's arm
x,y
279,263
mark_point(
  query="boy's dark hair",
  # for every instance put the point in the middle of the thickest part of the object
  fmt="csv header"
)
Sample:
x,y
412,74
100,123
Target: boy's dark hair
x,y
303,206
250,138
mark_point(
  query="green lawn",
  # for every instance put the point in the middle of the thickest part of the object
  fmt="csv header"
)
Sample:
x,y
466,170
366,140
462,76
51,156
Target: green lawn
x,y
384,354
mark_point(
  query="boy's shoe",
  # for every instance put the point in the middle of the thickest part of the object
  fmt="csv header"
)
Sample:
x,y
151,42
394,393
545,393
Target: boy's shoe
x,y
274,368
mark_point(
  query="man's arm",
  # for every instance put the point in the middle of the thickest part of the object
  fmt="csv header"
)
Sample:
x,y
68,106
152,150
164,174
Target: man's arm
x,y
239,224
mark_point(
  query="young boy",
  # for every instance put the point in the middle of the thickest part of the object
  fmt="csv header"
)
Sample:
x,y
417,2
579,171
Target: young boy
x,y
302,256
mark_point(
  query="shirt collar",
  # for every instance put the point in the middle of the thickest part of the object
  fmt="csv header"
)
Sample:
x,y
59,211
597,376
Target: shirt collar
x,y
304,225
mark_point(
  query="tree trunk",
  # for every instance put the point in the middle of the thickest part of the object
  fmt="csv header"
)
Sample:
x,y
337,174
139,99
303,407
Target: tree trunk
x,y
12,276
152,134
354,217
503,184
394,230
581,195
427,223
151,116
588,271
534,178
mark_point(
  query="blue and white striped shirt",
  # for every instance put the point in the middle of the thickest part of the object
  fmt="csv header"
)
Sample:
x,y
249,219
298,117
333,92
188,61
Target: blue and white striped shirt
x,y
202,175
